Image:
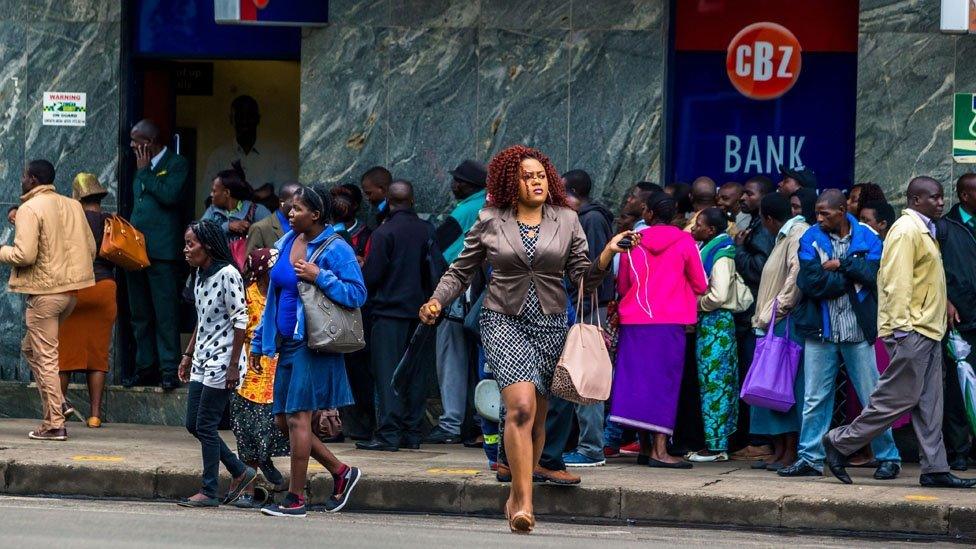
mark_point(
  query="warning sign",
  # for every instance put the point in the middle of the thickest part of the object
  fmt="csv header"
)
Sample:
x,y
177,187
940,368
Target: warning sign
x,y
64,108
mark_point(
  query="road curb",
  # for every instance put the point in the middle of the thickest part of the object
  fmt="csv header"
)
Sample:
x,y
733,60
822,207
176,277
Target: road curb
x,y
480,495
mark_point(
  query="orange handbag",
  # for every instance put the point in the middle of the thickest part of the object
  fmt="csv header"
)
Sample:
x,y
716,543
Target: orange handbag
x,y
123,245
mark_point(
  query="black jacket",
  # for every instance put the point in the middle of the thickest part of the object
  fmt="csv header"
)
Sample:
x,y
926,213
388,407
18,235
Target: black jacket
x,y
597,222
750,258
397,271
958,244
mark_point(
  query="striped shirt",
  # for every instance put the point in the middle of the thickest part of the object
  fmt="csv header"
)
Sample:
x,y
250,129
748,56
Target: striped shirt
x,y
843,322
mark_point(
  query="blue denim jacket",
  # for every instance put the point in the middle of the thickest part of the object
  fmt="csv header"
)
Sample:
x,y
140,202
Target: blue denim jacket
x,y
340,278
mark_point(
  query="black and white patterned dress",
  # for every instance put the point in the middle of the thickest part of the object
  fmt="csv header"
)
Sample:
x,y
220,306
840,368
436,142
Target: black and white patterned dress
x,y
219,300
525,347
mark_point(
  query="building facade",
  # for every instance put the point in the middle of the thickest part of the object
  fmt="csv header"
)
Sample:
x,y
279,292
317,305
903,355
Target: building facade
x,y
621,88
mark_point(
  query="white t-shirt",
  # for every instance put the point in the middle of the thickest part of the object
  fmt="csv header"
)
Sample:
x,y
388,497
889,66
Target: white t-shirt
x,y
221,308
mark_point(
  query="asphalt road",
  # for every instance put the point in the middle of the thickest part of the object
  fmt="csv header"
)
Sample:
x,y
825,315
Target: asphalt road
x,y
40,522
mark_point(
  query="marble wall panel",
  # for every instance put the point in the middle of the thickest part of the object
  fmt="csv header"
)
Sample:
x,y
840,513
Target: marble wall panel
x,y
343,102
360,12
899,16
524,92
522,15
618,15
435,13
77,57
432,83
616,140
13,65
904,114
79,11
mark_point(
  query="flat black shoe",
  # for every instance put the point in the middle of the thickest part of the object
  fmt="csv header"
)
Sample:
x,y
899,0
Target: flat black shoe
x,y
409,446
759,465
440,436
945,480
642,459
169,383
799,469
208,503
651,462
249,475
138,380
835,461
959,464
887,470
376,445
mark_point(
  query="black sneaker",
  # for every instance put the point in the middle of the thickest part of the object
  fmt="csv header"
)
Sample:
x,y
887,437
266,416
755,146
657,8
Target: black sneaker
x,y
292,506
440,436
342,488
246,501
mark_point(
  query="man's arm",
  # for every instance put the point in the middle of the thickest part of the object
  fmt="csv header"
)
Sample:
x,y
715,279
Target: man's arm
x,y
374,269
750,258
166,186
27,230
895,284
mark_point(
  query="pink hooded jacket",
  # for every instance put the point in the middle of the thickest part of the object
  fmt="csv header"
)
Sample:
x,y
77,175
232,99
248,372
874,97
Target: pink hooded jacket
x,y
670,275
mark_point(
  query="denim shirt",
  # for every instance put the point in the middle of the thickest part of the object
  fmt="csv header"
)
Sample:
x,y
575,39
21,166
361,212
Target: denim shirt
x,y
340,278
223,217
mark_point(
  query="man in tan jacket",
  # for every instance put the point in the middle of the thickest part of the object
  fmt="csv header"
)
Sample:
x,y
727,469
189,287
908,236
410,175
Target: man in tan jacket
x,y
52,258
911,322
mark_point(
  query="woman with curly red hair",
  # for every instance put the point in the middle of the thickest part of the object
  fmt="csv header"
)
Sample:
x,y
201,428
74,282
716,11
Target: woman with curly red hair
x,y
532,241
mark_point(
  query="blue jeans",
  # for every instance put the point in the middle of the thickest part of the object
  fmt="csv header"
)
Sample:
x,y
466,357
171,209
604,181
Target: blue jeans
x,y
820,366
452,370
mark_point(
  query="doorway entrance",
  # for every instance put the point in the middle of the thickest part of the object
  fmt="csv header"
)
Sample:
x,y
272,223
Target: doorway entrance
x,y
220,94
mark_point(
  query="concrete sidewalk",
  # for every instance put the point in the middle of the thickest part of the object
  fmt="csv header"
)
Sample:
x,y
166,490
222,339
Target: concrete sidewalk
x,y
152,462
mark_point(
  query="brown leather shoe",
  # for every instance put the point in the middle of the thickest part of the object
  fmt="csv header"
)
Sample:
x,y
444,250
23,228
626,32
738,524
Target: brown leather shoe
x,y
50,434
561,478
752,453
504,474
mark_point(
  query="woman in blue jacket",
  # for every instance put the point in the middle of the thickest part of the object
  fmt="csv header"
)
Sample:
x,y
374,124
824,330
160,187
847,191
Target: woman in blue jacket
x,y
306,381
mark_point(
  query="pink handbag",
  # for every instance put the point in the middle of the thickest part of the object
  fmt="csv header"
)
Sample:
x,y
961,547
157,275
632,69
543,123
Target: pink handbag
x,y
584,373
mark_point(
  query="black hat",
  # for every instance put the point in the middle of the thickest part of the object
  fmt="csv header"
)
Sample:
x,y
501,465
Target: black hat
x,y
470,171
804,176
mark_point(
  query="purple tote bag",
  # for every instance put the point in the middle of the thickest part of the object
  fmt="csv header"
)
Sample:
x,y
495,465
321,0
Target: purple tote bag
x,y
769,382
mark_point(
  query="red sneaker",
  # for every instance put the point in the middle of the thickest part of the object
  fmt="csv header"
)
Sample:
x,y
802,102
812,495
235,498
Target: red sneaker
x,y
609,452
631,449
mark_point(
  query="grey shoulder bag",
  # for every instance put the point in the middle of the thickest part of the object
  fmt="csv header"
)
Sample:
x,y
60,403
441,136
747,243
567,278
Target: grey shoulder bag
x,y
329,327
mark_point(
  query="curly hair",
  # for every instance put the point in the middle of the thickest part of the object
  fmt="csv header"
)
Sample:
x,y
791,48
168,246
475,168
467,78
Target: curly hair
x,y
504,181
870,192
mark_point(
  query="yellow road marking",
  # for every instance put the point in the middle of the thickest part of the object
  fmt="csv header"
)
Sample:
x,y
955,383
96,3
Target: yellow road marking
x,y
97,458
449,471
921,498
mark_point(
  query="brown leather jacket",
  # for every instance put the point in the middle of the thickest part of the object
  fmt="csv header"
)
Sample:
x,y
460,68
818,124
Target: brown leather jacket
x,y
560,252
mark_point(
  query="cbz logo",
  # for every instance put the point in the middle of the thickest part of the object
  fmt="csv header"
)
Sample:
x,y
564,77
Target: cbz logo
x,y
763,61
261,4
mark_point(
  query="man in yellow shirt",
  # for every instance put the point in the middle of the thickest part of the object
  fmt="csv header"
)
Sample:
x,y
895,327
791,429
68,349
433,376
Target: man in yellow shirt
x,y
911,322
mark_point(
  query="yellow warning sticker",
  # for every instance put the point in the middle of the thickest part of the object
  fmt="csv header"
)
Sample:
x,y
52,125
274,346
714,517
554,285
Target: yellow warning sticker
x,y
450,471
97,458
921,498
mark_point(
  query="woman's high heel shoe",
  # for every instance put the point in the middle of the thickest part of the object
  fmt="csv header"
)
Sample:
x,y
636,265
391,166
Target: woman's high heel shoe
x,y
522,522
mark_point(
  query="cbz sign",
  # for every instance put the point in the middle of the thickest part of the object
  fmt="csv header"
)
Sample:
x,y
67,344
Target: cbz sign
x,y
761,84
296,13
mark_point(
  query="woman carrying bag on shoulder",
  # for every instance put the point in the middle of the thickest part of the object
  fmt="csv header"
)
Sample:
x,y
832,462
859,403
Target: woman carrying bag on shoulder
x,y
308,380
532,241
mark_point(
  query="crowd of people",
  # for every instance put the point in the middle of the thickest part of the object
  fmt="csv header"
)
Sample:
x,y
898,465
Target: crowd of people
x,y
690,283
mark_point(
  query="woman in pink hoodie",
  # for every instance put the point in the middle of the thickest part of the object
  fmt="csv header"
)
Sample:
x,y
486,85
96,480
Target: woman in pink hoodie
x,y
659,281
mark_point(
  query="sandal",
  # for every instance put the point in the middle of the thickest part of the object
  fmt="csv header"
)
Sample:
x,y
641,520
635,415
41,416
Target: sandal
x,y
521,522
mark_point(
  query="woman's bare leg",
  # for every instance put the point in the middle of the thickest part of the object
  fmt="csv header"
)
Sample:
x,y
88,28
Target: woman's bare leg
x,y
521,407
96,386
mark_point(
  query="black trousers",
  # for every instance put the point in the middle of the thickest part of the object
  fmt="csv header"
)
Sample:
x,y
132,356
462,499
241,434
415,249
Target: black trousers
x,y
155,308
956,431
204,408
689,430
559,427
398,417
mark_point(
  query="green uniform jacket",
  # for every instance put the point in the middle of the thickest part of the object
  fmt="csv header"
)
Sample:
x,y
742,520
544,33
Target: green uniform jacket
x,y
157,209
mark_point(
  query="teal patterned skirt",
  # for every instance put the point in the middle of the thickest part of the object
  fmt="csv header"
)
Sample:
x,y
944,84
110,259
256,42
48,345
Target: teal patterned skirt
x,y
718,376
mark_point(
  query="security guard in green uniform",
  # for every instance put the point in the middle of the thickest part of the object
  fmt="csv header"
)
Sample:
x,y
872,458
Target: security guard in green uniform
x,y
159,185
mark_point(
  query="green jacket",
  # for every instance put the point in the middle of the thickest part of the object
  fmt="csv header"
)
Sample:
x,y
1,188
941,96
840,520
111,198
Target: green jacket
x,y
157,207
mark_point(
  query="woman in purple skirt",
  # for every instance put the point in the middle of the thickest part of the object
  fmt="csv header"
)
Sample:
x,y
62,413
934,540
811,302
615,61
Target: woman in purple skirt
x,y
653,314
